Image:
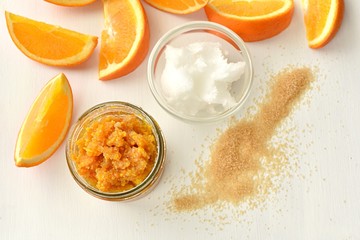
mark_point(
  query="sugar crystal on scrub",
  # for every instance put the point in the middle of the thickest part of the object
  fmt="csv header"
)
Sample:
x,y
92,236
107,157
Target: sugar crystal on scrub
x,y
197,79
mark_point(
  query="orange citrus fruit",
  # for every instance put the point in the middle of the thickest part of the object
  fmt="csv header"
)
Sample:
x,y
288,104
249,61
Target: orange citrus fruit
x,y
322,20
252,20
125,38
178,7
49,44
71,3
46,124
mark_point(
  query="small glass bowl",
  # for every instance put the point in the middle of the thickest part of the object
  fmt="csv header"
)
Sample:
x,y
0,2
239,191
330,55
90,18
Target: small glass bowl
x,y
116,108
200,31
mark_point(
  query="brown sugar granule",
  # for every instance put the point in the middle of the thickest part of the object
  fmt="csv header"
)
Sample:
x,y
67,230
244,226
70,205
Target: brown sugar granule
x,y
243,165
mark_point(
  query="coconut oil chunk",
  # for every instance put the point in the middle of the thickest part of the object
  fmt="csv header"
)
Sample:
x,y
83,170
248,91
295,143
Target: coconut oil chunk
x,y
198,79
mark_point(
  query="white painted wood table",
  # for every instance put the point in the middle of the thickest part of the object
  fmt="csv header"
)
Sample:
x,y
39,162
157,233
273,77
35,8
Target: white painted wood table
x,y
45,203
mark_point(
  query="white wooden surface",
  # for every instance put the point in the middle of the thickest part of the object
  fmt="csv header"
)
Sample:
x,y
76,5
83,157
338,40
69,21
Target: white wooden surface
x,y
45,203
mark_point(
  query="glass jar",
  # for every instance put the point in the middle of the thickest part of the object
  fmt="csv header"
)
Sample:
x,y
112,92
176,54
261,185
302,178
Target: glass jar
x,y
116,109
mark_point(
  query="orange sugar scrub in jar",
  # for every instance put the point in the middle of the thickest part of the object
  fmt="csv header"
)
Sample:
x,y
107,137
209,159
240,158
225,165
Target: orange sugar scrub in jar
x,y
116,151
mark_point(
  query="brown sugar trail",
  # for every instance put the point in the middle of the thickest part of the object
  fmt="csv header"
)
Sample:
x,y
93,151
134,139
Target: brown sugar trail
x,y
236,171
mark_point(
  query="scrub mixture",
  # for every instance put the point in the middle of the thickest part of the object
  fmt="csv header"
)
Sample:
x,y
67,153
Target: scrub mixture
x,y
199,79
116,152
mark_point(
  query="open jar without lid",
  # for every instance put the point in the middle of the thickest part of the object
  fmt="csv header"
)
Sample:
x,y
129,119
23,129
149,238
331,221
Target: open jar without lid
x,y
116,109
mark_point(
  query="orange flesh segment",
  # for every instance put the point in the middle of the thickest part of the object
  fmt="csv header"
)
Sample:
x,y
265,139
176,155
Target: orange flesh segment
x,y
248,9
30,36
71,3
49,128
252,20
46,124
114,52
314,16
178,7
322,20
49,44
124,40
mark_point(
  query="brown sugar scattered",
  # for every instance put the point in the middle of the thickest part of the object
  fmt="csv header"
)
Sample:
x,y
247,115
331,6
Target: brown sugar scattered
x,y
243,164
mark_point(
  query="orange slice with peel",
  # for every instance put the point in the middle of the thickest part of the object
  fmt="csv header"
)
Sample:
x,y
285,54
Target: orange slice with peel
x,y
252,20
322,20
49,44
46,124
71,3
125,38
178,7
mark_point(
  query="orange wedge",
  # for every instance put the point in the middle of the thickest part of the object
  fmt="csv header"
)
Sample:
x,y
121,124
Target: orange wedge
x,y
125,38
252,20
71,3
46,124
178,7
49,44
322,20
